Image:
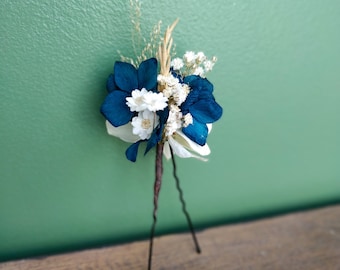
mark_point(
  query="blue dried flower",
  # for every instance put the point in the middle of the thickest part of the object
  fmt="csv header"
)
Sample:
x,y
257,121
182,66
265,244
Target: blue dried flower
x,y
201,104
121,83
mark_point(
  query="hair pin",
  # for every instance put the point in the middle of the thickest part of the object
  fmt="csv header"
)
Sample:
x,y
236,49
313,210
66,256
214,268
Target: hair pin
x,y
164,101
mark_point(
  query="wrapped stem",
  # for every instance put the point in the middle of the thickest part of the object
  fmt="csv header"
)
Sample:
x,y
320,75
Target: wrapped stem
x,y
157,188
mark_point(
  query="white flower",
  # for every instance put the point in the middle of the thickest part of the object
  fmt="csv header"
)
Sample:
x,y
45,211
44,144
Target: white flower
x,y
189,58
200,57
208,65
155,101
183,147
122,132
174,121
173,88
199,71
168,80
187,120
167,92
136,101
177,63
144,123
180,93
141,100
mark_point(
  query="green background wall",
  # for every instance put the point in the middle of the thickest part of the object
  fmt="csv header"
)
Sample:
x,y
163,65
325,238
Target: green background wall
x,y
65,184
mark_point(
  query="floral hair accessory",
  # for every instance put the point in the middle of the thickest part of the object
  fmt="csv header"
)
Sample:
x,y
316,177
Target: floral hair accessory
x,y
165,102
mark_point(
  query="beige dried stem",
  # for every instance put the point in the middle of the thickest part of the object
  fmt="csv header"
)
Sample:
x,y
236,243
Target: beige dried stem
x,y
164,50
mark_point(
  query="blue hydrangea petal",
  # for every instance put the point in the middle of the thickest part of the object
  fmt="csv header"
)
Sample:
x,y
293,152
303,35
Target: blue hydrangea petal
x,y
147,74
199,84
110,83
115,110
201,88
189,79
196,132
206,110
132,151
163,115
125,76
154,139
191,99
157,133
176,75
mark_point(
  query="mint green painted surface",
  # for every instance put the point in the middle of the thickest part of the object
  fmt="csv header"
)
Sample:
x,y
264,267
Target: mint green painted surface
x,y
65,184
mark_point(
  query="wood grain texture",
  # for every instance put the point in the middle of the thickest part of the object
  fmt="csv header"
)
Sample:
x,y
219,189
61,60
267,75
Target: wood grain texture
x,y
307,240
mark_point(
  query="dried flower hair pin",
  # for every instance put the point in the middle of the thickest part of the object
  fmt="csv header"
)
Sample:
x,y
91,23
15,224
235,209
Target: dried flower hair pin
x,y
166,103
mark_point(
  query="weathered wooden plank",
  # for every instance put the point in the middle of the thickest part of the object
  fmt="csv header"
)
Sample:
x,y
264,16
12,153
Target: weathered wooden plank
x,y
307,240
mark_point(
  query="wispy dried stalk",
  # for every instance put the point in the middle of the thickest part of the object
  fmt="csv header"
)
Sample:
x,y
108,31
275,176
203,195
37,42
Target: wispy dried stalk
x,y
142,47
164,50
151,47
136,33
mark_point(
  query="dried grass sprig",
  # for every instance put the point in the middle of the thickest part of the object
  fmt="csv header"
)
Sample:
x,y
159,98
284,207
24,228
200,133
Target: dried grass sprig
x,y
151,47
136,33
143,48
164,50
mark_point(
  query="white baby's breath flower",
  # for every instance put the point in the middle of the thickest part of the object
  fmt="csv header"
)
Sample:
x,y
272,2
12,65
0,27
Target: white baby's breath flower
x,y
177,63
168,80
172,88
136,101
189,58
167,92
174,108
144,123
187,120
174,121
161,78
180,93
195,64
199,71
208,65
200,57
